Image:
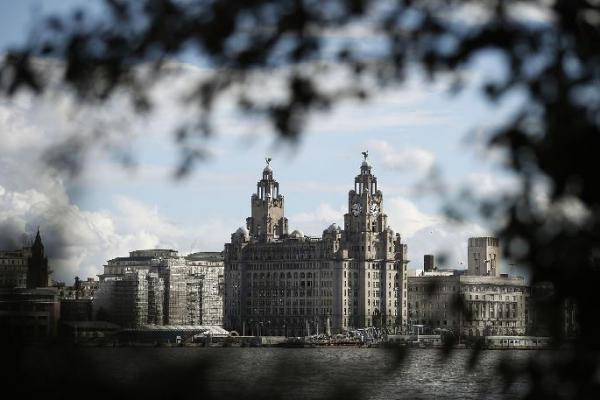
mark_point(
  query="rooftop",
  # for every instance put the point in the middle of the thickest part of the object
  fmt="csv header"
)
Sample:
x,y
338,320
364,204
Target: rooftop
x,y
205,256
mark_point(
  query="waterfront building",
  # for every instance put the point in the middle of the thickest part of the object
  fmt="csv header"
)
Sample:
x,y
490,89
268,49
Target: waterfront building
x,y
75,310
479,302
159,287
25,267
280,283
469,304
29,309
80,289
28,314
13,268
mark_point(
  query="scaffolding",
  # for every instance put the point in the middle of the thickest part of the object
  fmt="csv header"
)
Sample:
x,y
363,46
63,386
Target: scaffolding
x,y
140,290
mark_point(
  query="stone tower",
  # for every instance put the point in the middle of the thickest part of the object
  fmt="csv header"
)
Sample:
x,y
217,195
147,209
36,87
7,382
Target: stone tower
x,y
365,204
376,254
291,284
37,266
267,221
484,256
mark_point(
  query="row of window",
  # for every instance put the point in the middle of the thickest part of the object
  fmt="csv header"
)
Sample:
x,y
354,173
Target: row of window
x,y
4,261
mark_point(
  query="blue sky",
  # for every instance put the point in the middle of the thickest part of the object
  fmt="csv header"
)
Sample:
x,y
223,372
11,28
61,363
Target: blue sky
x,y
111,210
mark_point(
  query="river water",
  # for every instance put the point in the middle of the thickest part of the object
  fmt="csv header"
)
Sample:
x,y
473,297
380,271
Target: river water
x,y
312,373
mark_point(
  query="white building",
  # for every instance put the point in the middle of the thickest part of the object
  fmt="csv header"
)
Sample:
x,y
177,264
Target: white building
x,y
159,287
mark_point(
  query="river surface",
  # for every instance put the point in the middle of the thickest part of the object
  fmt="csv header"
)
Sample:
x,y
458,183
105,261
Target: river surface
x,y
312,373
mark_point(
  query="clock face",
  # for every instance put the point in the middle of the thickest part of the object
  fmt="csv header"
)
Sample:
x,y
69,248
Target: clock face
x,y
356,209
374,208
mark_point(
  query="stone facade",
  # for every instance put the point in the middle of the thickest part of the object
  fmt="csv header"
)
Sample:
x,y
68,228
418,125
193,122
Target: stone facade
x,y
13,268
471,305
26,267
483,256
278,283
158,287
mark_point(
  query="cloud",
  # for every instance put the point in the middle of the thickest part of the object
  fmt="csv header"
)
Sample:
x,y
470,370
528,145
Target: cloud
x,y
424,233
308,186
474,13
445,239
314,222
431,233
77,241
487,185
395,110
404,216
405,159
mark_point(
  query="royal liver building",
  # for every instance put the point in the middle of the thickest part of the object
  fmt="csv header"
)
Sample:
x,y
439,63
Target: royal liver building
x,y
280,283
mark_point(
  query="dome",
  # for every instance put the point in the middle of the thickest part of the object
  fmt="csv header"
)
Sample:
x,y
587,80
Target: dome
x,y
243,232
297,234
333,228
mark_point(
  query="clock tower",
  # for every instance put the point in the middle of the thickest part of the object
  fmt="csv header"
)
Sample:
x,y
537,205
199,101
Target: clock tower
x,y
267,222
375,258
365,204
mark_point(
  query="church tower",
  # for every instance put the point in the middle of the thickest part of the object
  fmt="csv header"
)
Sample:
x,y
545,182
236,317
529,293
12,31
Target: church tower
x,y
267,222
37,268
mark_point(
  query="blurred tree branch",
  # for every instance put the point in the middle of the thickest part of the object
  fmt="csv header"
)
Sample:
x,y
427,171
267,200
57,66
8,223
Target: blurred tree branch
x,y
551,53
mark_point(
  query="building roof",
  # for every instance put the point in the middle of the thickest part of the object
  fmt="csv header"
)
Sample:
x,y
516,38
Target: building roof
x,y
205,256
471,279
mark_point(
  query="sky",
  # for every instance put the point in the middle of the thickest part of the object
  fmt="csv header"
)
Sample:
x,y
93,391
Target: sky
x,y
107,210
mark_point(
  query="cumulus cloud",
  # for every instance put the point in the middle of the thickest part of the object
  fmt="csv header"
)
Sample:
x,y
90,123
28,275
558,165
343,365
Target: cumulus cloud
x,y
405,159
77,241
314,222
405,217
445,239
425,233
486,185
430,233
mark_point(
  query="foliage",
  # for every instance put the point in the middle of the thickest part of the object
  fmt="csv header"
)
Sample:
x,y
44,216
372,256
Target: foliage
x,y
550,52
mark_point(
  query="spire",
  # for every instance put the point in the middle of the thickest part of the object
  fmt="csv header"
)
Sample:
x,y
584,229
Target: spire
x,y
38,238
37,242
37,268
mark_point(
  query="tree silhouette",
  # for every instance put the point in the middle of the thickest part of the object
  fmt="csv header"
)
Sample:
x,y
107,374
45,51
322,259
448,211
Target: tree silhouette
x,y
550,58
